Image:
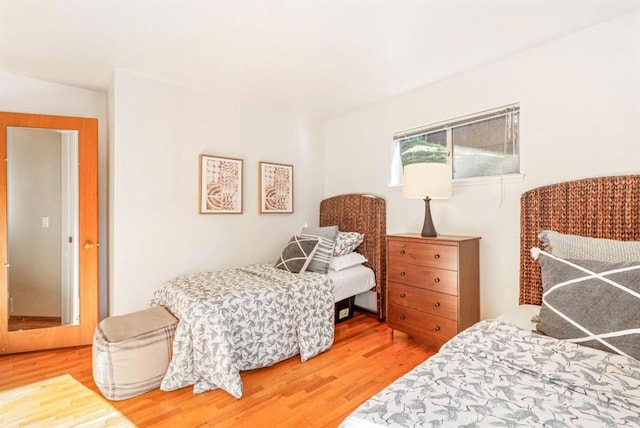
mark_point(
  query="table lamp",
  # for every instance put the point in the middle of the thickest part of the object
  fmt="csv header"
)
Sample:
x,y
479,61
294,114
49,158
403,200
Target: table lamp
x,y
427,181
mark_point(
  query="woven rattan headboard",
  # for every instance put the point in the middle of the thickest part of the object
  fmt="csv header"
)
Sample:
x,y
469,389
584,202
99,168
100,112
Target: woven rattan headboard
x,y
365,214
603,207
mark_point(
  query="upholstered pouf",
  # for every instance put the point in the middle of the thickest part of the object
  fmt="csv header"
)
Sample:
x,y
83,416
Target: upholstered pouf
x,y
131,352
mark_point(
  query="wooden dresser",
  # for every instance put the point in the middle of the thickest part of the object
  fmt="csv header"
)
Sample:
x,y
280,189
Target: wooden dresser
x,y
432,285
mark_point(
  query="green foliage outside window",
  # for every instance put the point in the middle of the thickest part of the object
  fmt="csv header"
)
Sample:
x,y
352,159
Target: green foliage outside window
x,y
425,148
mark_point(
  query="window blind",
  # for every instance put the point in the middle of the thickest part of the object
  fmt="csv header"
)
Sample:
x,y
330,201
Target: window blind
x,y
455,122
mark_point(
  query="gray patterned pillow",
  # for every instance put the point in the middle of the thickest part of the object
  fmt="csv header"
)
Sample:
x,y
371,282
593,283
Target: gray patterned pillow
x,y
327,237
297,254
584,248
347,242
591,303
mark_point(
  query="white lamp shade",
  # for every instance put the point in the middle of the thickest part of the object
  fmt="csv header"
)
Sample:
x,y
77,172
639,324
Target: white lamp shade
x,y
421,180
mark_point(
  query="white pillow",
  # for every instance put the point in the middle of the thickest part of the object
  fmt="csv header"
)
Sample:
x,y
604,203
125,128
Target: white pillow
x,y
346,261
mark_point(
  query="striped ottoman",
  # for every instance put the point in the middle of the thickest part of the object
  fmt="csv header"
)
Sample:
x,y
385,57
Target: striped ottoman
x,y
131,352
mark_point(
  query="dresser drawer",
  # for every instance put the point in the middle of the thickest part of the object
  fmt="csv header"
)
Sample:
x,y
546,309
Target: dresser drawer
x,y
423,254
419,323
440,280
439,304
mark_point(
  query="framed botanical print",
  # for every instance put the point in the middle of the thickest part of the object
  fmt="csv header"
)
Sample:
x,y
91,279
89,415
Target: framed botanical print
x,y
275,183
220,185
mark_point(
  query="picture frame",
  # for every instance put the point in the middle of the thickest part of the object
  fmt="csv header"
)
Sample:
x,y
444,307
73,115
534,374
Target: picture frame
x,y
275,184
221,186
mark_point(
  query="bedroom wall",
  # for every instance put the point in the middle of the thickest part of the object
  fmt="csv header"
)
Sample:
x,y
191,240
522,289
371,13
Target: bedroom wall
x,y
156,232
26,95
580,117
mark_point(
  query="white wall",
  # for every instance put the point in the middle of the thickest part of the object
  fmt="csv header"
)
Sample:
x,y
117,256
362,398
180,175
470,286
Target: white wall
x,y
26,95
580,117
156,233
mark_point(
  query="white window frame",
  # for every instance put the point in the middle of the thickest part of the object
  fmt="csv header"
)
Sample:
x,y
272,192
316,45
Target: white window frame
x,y
395,178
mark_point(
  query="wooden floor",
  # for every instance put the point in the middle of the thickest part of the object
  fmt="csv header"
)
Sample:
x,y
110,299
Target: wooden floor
x,y
318,393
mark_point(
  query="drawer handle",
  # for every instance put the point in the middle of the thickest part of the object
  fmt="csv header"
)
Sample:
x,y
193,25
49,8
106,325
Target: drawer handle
x,y
402,252
437,304
402,317
402,295
437,328
402,273
436,280
436,256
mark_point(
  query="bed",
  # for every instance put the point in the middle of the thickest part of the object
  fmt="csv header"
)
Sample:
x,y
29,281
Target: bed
x,y
257,315
367,214
497,373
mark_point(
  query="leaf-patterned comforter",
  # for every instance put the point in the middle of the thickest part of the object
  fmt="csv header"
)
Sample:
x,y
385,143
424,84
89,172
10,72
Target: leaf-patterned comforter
x,y
242,319
495,374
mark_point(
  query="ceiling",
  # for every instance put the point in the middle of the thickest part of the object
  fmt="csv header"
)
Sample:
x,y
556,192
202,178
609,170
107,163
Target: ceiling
x,y
319,57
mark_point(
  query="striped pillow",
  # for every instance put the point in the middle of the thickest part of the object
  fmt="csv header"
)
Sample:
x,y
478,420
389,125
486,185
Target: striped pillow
x,y
327,236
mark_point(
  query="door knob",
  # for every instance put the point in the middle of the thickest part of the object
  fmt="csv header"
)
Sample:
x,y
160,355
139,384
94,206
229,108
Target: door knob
x,y
88,245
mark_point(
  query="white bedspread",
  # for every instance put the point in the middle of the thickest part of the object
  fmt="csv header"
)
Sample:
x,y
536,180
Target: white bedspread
x,y
495,374
243,319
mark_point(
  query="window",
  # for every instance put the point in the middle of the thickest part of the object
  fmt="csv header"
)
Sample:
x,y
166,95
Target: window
x,y
481,145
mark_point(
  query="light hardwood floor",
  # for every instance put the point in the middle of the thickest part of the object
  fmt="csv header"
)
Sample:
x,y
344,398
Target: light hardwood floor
x,y
318,393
